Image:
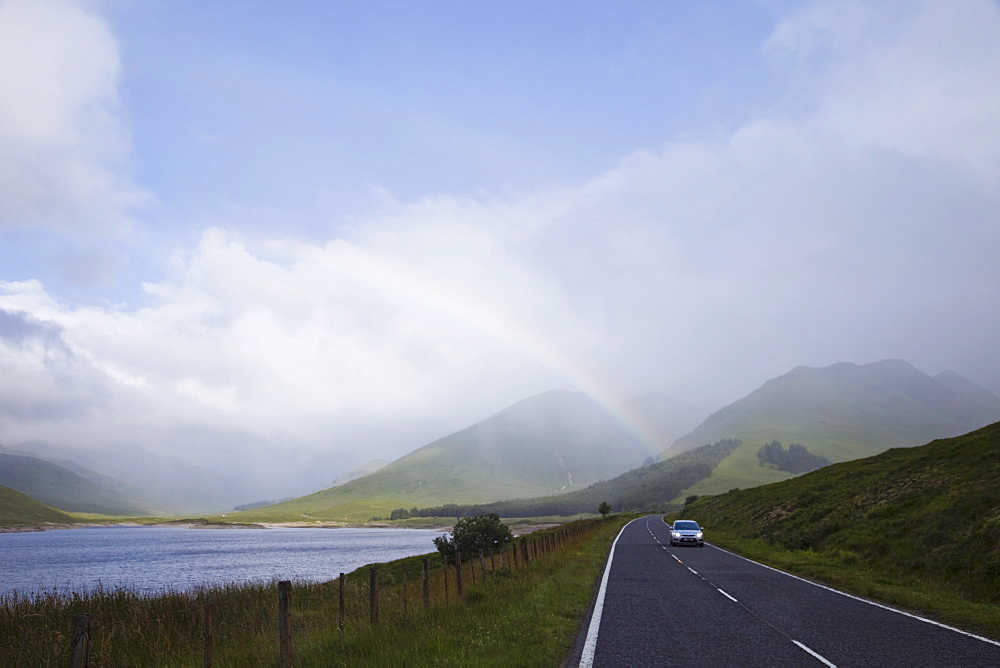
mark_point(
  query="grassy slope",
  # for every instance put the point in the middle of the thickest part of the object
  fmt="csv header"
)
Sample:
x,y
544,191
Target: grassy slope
x,y
17,508
642,489
930,513
56,486
842,412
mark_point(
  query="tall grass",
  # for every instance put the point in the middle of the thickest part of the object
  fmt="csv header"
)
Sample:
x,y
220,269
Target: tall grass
x,y
524,615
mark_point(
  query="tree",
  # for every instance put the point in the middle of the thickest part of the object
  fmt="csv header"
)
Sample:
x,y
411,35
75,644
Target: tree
x,y
471,534
797,459
604,509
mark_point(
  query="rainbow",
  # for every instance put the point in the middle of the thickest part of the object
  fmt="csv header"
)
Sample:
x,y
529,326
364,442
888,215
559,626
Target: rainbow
x,y
405,283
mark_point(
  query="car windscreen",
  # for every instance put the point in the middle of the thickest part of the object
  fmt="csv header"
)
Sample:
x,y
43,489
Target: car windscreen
x,y
686,526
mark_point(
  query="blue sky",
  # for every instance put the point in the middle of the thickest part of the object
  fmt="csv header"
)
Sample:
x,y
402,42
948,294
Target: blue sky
x,y
352,227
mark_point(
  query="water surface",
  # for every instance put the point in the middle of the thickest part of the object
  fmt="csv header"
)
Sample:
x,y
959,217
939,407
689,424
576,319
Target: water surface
x,y
152,560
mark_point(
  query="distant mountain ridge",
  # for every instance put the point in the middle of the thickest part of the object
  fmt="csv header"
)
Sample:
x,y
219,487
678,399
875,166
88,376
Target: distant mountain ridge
x,y
153,481
646,488
548,443
56,486
844,411
890,400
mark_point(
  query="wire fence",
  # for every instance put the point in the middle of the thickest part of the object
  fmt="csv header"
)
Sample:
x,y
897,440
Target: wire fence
x,y
254,624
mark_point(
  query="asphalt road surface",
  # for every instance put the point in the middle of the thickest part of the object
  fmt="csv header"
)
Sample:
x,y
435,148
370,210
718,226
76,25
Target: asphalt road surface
x,y
667,605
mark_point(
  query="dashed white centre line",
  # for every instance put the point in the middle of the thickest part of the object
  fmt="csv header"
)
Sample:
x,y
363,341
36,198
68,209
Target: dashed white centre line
x,y
817,656
726,595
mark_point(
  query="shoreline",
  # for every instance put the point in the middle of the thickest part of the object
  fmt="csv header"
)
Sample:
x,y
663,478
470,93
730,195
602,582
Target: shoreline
x,y
518,529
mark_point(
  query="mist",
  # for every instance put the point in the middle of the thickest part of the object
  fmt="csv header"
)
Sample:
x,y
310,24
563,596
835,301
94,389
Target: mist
x,y
256,290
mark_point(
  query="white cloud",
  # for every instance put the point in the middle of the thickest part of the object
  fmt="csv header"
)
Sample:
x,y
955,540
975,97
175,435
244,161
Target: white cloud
x,y
858,231
63,146
915,77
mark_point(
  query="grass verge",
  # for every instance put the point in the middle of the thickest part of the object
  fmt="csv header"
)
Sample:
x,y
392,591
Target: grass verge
x,y
848,572
509,614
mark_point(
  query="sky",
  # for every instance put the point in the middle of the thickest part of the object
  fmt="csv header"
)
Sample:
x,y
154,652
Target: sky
x,y
302,235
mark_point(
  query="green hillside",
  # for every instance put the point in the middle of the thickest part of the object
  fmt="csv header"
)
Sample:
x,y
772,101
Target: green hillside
x,y
930,512
20,509
553,442
841,412
646,488
56,486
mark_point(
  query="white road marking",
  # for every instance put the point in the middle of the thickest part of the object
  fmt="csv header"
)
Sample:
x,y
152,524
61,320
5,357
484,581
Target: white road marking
x,y
590,645
819,657
692,570
864,600
727,595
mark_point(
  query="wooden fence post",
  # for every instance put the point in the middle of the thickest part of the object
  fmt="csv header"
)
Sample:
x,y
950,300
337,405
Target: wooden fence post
x,y
427,583
458,572
482,566
285,622
208,633
524,551
373,595
79,649
445,559
340,606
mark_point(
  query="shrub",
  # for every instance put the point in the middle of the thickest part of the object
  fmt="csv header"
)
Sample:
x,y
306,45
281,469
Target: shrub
x,y
471,534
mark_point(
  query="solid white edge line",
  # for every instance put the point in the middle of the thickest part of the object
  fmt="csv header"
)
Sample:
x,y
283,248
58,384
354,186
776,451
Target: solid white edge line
x,y
817,656
590,644
726,595
864,600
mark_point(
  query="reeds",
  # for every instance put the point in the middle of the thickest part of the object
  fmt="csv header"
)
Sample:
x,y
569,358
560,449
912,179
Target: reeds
x,y
525,615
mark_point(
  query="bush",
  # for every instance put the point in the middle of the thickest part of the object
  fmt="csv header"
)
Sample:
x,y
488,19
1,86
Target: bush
x,y
471,534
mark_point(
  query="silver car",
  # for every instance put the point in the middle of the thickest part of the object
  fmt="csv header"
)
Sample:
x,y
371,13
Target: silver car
x,y
687,532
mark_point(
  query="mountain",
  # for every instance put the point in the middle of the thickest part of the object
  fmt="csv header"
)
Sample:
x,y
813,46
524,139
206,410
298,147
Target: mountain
x,y
840,412
20,509
647,488
99,479
545,444
928,512
61,488
154,481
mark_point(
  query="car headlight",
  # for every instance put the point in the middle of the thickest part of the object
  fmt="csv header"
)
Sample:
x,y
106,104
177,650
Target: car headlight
x,y
675,534
698,536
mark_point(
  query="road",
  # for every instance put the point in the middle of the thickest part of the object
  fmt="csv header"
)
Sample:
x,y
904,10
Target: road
x,y
663,605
